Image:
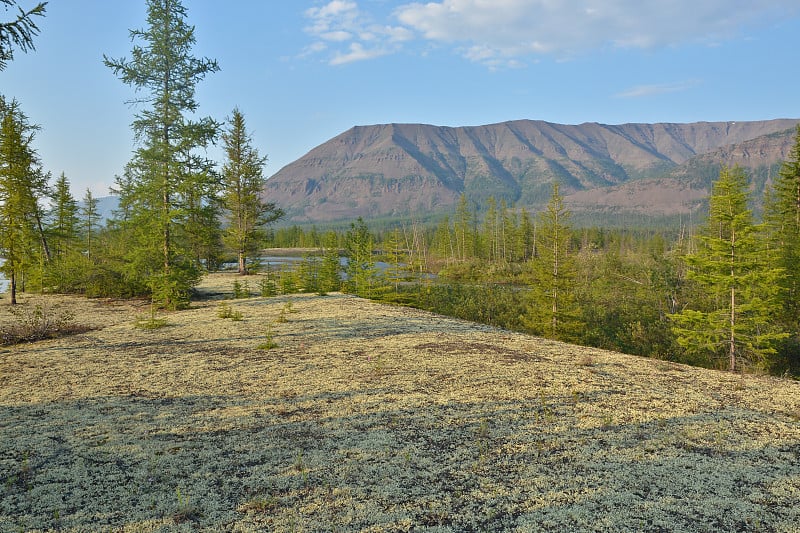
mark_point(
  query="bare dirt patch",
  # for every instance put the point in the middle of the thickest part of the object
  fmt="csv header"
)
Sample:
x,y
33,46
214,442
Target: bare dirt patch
x,y
377,418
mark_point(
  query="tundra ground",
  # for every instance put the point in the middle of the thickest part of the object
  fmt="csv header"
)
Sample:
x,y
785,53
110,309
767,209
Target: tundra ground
x,y
332,413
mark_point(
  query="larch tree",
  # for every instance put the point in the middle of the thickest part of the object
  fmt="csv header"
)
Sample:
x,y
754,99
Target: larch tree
x,y
491,231
20,31
523,245
330,278
396,257
735,271
361,270
243,187
465,231
553,310
22,184
156,198
782,218
63,220
90,218
202,210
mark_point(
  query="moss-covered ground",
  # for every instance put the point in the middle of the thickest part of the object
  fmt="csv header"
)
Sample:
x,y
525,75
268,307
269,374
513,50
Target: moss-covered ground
x,y
332,413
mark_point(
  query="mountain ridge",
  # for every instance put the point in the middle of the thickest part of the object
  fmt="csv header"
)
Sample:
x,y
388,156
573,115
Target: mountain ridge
x,y
398,169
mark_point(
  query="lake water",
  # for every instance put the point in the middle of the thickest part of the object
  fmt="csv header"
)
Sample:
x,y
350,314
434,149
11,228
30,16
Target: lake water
x,y
273,262
3,281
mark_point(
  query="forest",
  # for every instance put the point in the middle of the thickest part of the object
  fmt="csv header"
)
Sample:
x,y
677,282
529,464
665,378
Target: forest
x,y
723,294
720,295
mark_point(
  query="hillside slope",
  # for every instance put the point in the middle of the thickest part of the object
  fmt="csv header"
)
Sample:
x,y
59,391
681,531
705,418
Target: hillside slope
x,y
371,417
415,169
685,189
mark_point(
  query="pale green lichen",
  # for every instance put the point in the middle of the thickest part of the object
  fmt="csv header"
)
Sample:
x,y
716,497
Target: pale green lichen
x,y
374,418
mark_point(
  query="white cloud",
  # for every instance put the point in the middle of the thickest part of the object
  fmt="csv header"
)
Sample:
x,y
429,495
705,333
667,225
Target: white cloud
x,y
356,52
343,22
338,36
332,9
509,32
640,91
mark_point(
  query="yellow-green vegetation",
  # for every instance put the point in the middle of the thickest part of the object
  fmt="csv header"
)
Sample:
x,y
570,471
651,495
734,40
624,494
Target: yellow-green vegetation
x,y
151,321
368,417
224,310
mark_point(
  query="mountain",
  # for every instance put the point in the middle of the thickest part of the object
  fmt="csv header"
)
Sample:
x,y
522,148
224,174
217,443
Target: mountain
x,y
685,189
398,170
106,205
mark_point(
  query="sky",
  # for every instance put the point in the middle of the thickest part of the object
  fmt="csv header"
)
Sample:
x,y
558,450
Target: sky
x,y
304,71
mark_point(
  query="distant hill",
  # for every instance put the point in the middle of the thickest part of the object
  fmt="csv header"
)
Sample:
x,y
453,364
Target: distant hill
x,y
685,189
400,170
106,205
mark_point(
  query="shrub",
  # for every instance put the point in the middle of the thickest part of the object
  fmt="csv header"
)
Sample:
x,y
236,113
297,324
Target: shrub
x,y
241,289
38,323
267,286
151,322
225,311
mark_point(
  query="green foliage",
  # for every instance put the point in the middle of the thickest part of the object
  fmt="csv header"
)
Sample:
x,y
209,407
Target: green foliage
x,y
288,282
286,310
224,310
186,511
496,305
782,219
243,185
267,285
625,297
465,234
308,274
553,310
64,222
396,258
330,279
22,184
90,217
18,32
150,322
361,272
173,289
168,194
269,339
241,289
736,273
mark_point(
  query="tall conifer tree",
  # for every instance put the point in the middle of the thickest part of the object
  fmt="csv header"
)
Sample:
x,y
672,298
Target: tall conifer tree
x,y
63,217
736,272
22,184
243,185
90,218
361,270
158,199
553,309
782,217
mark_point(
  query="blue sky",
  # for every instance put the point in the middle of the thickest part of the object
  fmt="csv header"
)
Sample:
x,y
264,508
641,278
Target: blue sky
x,y
305,71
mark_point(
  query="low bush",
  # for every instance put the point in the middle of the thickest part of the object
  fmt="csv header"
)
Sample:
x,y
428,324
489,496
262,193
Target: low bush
x,y
39,322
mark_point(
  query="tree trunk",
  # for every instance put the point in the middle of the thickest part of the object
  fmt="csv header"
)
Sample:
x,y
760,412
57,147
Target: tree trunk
x,y
732,342
242,263
13,288
45,247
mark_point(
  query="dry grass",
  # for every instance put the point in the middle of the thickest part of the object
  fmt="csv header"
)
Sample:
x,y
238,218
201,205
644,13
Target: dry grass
x,y
375,418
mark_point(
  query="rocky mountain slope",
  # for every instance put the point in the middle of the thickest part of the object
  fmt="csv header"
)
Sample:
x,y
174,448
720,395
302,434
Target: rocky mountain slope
x,y
395,170
684,190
